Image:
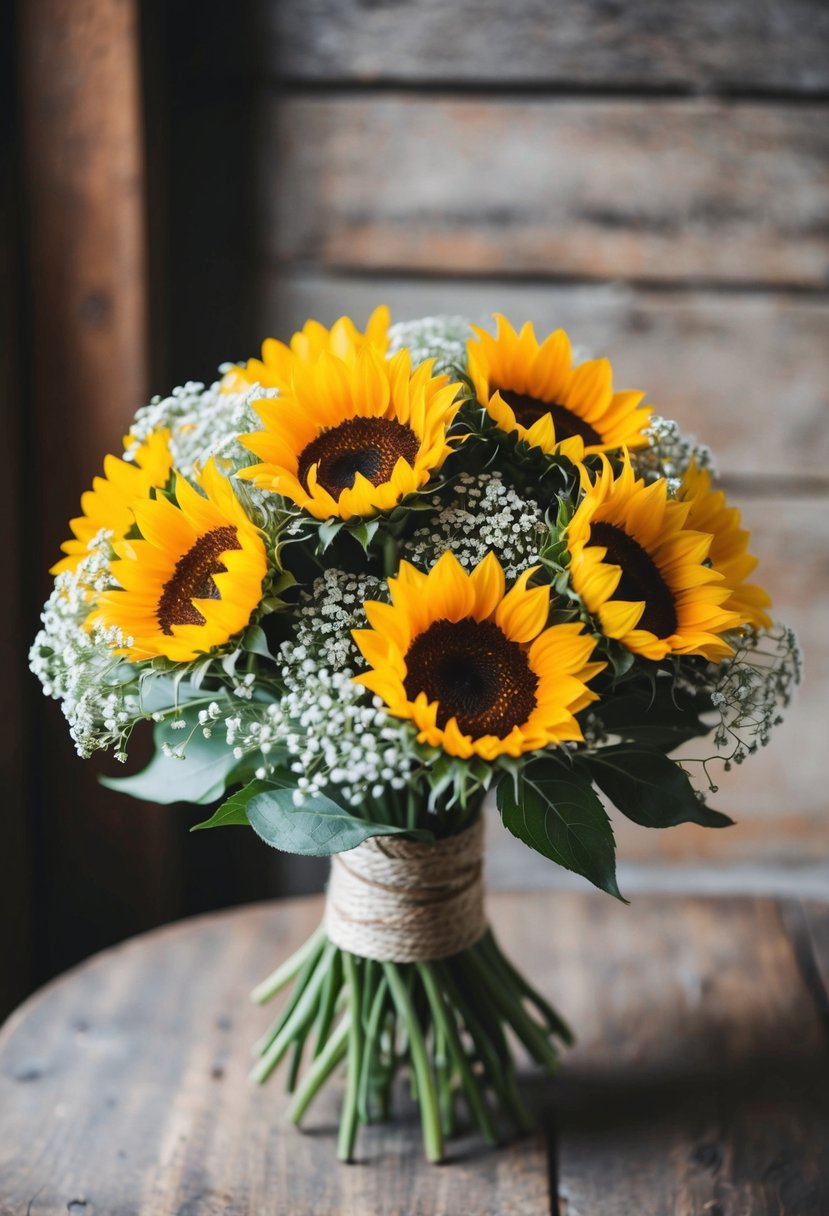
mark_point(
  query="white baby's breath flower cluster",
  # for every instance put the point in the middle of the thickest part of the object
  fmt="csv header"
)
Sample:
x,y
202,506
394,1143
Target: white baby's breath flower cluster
x,y
443,339
483,514
77,666
330,610
670,453
751,687
330,735
202,422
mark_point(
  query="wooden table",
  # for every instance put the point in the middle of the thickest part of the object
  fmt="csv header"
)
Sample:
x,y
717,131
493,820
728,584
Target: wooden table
x,y
700,1083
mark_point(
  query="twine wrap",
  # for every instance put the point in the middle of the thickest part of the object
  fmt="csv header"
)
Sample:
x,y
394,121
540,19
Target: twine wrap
x,y
403,901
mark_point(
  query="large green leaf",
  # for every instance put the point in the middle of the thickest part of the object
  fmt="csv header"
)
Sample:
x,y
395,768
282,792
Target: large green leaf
x,y
649,788
656,715
201,776
234,809
318,828
559,815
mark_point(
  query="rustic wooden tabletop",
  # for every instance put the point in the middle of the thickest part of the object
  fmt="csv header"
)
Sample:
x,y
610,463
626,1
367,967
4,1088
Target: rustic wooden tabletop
x,y
700,1082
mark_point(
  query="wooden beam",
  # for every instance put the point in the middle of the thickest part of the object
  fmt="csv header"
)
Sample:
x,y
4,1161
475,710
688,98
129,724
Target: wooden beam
x,y
15,686
586,187
688,44
101,874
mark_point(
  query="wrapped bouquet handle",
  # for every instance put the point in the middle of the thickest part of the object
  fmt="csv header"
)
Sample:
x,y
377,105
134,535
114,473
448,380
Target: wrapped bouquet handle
x,y
407,901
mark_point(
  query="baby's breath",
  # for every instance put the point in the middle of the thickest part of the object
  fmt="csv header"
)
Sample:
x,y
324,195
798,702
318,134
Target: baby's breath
x,y
203,422
749,690
79,668
333,735
669,453
443,339
483,514
330,610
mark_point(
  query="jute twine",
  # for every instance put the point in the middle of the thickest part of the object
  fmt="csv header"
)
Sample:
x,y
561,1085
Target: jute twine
x,y
403,901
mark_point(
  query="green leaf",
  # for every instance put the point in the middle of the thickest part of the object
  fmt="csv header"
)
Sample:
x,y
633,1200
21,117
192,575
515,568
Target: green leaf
x,y
200,777
327,532
365,532
560,817
255,642
234,809
657,715
229,662
318,828
649,788
160,691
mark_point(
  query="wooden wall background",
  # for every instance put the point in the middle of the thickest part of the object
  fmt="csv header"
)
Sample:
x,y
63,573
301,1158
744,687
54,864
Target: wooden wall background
x,y
653,176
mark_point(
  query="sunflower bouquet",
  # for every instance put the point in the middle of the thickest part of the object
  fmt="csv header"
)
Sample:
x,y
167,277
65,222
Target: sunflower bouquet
x,y
360,584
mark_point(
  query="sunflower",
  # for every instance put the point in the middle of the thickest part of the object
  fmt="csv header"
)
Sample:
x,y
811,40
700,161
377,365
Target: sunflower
x,y
534,392
476,670
353,438
109,504
193,579
729,555
275,368
644,572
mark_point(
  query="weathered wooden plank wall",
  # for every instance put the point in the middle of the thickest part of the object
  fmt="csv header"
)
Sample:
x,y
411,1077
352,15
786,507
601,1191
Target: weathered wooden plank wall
x,y
653,177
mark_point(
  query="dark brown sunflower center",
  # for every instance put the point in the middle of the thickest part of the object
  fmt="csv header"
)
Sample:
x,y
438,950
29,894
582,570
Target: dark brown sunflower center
x,y
475,674
371,446
192,579
528,410
641,579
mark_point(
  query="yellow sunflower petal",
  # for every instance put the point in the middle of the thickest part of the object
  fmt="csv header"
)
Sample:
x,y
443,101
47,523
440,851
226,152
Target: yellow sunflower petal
x,y
351,438
194,579
530,389
478,672
279,361
110,504
642,565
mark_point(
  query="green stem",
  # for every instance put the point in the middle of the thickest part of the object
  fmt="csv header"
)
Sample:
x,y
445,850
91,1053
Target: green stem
x,y
296,1061
515,1015
443,1079
372,1049
470,994
309,968
321,1068
349,1116
444,1019
514,978
292,966
392,1060
421,1068
494,1055
328,1003
302,1014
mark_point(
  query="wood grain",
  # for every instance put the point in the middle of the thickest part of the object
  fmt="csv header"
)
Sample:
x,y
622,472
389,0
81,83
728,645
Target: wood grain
x,y
694,190
688,44
126,1086
84,338
699,1077
15,859
748,373
698,1085
813,939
